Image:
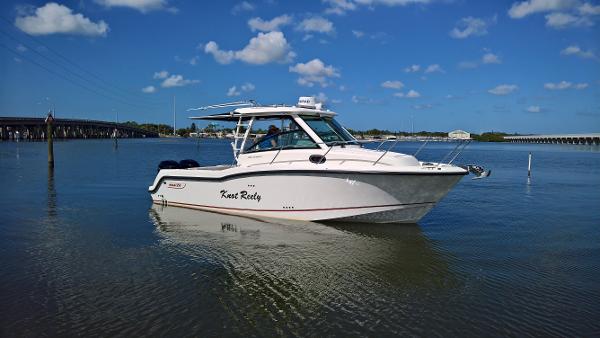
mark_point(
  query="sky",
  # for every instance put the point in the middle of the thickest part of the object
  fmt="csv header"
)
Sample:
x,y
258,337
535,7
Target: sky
x,y
438,65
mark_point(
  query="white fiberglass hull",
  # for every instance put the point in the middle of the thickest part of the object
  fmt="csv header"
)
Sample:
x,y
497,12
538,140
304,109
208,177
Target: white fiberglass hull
x,y
310,195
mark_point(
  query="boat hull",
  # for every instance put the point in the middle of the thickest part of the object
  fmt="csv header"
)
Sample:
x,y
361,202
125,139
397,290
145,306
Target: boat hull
x,y
311,196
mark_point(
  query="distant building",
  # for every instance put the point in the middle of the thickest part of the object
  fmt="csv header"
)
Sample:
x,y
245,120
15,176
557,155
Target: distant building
x,y
459,134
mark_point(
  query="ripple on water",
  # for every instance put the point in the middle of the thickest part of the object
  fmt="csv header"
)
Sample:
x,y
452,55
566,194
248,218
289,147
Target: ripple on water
x,y
80,256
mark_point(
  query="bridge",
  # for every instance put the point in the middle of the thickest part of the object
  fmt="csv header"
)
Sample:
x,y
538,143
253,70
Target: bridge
x,y
593,138
34,128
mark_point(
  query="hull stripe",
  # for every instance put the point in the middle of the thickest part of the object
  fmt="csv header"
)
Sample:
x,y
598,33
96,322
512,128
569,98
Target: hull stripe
x,y
299,173
293,210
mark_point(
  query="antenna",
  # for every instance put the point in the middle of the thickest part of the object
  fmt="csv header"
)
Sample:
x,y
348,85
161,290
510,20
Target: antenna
x,y
249,103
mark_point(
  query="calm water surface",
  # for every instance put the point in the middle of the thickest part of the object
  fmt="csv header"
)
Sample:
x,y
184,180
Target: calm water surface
x,y
84,252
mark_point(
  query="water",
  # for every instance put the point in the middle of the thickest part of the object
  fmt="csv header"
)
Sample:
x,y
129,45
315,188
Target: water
x,y
83,252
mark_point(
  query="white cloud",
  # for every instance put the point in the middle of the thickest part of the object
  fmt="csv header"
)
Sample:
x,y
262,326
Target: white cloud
x,y
53,18
412,94
149,89
21,48
575,50
524,8
248,87
340,7
233,91
177,81
314,71
534,109
588,9
358,34
434,68
382,37
564,20
486,59
243,6
316,24
489,58
562,85
258,24
471,26
503,89
143,6
561,13
221,56
163,74
262,49
364,100
412,69
321,97
392,84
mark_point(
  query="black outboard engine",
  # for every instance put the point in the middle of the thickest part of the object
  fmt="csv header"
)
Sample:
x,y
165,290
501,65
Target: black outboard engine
x,y
169,164
189,163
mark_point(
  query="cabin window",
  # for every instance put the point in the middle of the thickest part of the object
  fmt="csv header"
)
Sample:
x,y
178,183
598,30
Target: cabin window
x,y
329,130
279,133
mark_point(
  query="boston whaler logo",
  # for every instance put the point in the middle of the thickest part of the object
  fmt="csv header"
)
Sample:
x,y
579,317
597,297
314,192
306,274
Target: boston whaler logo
x,y
175,185
242,195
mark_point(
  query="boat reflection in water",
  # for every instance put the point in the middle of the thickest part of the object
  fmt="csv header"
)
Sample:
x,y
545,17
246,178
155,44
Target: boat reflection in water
x,y
303,269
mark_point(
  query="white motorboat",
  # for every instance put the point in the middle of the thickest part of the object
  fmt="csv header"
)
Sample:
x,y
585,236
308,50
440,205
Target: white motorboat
x,y
306,167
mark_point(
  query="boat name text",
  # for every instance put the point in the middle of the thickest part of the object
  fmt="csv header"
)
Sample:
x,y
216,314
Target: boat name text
x,y
242,195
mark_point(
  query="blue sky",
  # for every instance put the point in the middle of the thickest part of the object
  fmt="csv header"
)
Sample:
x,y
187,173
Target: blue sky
x,y
516,66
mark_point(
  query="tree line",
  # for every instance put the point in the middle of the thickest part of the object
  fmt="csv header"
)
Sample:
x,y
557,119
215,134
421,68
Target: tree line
x,y
166,129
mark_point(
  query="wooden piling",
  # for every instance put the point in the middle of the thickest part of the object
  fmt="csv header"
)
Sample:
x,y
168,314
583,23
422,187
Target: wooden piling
x,y
529,167
50,132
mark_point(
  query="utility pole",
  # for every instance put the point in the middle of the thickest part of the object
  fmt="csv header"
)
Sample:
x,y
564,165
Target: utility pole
x,y
174,118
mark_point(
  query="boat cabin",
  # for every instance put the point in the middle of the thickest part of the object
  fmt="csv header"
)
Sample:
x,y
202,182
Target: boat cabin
x,y
275,128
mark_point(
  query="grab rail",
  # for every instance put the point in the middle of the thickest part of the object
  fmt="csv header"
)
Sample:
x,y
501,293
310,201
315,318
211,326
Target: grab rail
x,y
459,152
420,148
388,149
454,153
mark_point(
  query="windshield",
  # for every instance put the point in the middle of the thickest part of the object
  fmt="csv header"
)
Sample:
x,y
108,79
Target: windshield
x,y
290,136
329,130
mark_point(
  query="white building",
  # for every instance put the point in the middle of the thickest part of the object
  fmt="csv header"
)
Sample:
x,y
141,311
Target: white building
x,y
459,134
